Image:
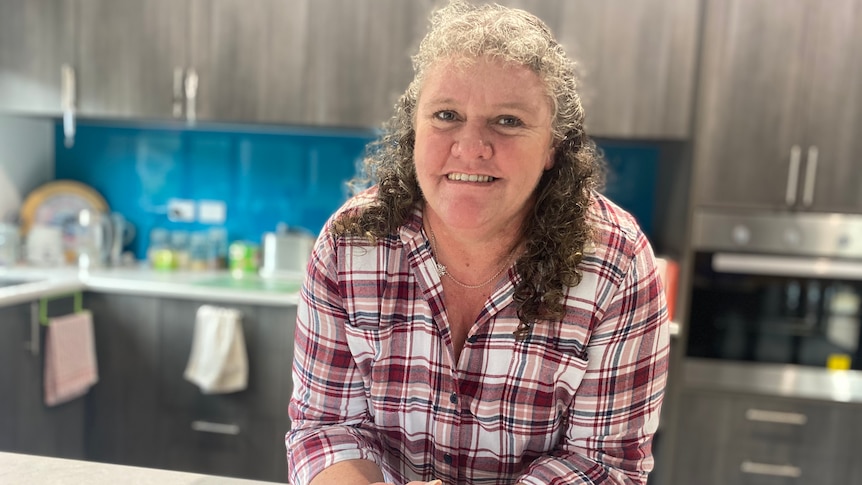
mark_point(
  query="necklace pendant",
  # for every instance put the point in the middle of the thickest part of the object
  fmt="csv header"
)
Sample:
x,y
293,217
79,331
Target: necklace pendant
x,y
441,270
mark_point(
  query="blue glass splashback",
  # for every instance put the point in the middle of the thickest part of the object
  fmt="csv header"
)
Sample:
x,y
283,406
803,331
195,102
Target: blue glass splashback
x,y
262,176
632,178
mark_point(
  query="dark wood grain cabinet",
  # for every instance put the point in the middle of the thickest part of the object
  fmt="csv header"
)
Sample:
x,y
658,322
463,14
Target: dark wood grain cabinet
x,y
145,413
123,410
322,62
779,108
36,40
131,57
736,438
27,425
238,434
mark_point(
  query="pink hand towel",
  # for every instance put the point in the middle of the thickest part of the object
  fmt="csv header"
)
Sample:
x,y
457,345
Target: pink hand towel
x,y
70,358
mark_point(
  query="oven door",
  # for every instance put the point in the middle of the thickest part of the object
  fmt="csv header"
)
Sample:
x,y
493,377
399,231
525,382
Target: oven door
x,y
776,309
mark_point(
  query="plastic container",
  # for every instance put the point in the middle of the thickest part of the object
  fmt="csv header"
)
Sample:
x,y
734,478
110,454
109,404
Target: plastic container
x,y
10,244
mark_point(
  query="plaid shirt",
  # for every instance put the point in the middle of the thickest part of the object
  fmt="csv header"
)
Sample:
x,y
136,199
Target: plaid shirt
x,y
374,375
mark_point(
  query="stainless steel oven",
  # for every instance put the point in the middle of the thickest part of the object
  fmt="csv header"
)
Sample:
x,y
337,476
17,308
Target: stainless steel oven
x,y
776,288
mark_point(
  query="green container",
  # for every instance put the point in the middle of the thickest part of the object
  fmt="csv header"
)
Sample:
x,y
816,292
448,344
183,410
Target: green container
x,y
243,258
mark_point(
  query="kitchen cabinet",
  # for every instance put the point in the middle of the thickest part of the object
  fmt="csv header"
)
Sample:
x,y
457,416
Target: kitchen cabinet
x,y
144,412
358,56
26,424
36,39
780,105
132,57
738,438
238,434
249,58
637,64
326,62
123,409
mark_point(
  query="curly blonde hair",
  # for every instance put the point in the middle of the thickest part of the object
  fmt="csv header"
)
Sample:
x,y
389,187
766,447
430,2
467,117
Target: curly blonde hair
x,y
558,231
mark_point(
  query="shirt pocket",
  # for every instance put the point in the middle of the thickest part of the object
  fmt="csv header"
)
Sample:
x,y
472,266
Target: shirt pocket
x,y
525,409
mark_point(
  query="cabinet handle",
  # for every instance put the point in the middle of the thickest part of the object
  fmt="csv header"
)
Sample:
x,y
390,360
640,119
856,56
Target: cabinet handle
x,y
178,92
754,468
67,101
218,428
778,417
793,174
191,88
810,176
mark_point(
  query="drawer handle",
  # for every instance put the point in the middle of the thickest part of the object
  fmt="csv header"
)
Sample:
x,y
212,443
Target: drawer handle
x,y
755,468
218,428
777,417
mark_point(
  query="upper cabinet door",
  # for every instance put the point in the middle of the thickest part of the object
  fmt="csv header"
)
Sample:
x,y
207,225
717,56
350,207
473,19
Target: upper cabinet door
x,y
359,58
36,39
131,57
833,111
637,63
748,150
249,57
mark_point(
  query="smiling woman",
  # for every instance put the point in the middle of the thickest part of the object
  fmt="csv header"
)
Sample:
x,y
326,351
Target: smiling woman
x,y
481,314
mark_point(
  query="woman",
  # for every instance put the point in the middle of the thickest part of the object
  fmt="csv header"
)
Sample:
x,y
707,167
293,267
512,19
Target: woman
x,y
481,315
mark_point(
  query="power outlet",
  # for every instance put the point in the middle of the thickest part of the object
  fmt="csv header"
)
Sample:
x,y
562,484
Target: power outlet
x,y
181,210
211,212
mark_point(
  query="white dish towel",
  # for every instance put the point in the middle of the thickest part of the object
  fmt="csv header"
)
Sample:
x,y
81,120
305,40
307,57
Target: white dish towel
x,y
70,358
218,362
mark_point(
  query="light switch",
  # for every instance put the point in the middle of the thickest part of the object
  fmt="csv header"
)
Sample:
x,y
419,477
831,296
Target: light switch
x,y
211,212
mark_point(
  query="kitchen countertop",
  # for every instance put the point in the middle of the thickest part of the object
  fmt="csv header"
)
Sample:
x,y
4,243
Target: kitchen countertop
x,y
217,286
41,470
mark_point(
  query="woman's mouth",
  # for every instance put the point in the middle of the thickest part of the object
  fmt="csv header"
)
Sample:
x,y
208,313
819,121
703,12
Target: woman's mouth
x,y
463,177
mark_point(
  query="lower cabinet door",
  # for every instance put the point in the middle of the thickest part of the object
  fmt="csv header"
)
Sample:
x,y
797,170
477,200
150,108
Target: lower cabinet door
x,y
240,448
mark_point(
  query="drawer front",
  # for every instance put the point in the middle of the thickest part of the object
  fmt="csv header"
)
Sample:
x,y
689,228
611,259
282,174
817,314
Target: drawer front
x,y
798,424
250,449
757,466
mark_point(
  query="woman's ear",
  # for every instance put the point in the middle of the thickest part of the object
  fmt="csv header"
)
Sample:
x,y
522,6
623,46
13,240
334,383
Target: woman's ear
x,y
552,154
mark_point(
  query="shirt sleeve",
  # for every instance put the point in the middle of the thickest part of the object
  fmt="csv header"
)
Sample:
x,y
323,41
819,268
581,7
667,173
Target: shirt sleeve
x,y
615,414
328,409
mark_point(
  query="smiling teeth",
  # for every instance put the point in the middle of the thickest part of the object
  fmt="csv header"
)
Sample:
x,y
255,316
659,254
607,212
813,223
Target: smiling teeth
x,y
463,177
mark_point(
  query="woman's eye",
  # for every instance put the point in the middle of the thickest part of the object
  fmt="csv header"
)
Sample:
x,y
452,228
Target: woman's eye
x,y
445,115
509,121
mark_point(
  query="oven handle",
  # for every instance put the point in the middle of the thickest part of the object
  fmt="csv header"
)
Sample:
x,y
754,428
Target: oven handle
x,y
795,266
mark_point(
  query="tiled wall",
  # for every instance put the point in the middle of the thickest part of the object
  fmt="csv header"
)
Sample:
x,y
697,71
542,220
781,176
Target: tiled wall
x,y
262,176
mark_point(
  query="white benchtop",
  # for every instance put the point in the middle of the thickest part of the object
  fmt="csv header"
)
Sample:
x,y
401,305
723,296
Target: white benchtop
x,y
216,286
41,470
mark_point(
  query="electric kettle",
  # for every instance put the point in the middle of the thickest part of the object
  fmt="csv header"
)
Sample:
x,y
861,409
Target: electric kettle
x,y
92,236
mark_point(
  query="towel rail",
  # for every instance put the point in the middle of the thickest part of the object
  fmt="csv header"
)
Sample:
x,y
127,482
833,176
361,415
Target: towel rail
x,y
39,315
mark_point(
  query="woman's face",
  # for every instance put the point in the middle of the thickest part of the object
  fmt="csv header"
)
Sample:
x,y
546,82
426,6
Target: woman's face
x,y
483,140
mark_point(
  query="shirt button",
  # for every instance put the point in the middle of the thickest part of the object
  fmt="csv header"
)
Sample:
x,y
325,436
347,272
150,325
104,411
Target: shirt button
x,y
447,458
473,339
453,398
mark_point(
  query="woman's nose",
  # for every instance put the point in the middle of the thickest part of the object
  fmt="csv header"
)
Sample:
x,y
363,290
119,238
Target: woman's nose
x,y
472,146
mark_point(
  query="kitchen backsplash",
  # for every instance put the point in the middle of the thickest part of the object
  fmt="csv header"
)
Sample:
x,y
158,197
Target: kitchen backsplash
x,y
254,178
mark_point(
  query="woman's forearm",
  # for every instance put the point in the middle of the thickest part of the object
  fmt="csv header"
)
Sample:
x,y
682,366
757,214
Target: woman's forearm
x,y
350,471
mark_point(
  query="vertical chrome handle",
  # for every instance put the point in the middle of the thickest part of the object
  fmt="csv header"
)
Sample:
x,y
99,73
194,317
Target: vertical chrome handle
x,y
810,176
793,174
68,100
777,417
191,88
179,76
754,468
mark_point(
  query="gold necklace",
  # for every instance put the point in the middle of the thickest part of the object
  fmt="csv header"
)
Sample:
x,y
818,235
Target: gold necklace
x,y
442,271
